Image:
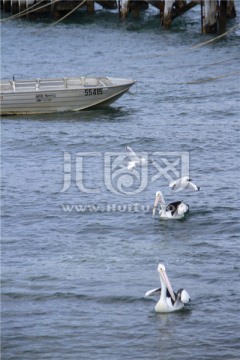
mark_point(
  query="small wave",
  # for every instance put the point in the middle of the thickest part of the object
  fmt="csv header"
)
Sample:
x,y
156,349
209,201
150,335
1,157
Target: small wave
x,y
118,299
111,299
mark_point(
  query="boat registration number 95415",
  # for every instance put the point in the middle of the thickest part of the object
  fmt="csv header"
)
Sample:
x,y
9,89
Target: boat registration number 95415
x,y
89,92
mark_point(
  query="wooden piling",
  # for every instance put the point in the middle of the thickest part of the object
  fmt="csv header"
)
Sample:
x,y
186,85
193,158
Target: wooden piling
x,y
30,15
61,8
133,7
37,10
231,11
123,8
55,11
109,4
214,13
7,5
222,17
90,7
167,15
22,5
210,16
14,7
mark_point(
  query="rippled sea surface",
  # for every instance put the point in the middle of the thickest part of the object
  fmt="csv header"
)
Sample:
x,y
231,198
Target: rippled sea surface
x,y
78,255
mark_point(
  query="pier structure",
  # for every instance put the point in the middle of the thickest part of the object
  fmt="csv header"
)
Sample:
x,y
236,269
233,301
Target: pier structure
x,y
213,13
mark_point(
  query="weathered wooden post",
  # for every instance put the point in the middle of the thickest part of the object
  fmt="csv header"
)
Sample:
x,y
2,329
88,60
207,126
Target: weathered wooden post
x,y
21,5
222,17
123,8
210,16
136,7
180,4
160,6
214,14
55,10
14,7
226,10
7,5
167,15
90,7
231,12
135,11
32,14
171,9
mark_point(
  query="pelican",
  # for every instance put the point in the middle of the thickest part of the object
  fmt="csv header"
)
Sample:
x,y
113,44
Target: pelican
x,y
135,160
184,183
169,300
174,210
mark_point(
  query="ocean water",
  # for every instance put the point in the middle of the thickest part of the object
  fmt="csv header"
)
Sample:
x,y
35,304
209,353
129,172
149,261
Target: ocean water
x,y
79,253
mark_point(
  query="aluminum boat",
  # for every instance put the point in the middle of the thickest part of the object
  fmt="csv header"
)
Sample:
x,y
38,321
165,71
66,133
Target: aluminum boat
x,y
40,96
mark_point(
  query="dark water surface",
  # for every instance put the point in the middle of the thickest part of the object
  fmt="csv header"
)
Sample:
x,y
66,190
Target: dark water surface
x,y
77,254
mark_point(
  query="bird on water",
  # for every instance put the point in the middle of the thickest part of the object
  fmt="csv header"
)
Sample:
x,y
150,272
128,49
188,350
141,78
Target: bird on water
x,y
175,210
169,301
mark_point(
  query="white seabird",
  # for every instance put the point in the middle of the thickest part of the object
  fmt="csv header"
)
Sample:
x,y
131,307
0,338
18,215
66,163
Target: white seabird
x,y
135,160
169,300
184,183
174,210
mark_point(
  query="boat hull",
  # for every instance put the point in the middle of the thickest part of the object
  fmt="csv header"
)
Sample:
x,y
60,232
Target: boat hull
x,y
40,100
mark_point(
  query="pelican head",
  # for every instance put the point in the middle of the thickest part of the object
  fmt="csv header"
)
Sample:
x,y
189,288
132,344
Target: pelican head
x,y
158,198
164,279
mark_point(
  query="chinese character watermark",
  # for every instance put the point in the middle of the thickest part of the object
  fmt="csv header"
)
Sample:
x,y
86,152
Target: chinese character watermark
x,y
117,177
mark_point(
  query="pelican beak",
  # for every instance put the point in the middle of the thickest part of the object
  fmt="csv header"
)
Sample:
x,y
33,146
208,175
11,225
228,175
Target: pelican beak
x,y
168,284
156,202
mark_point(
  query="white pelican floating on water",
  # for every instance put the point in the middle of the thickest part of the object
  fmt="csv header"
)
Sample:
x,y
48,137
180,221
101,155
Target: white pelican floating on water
x,y
169,300
135,160
174,210
184,183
